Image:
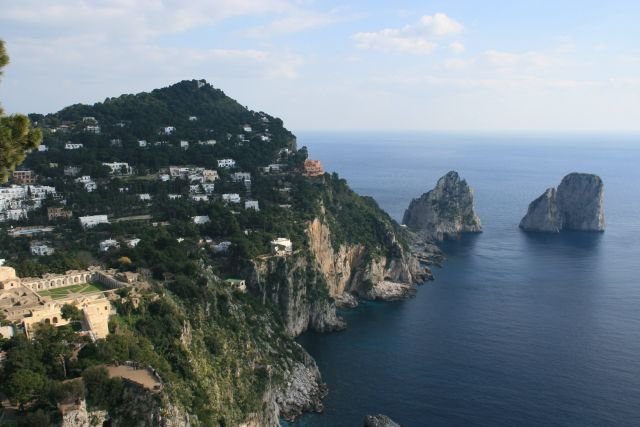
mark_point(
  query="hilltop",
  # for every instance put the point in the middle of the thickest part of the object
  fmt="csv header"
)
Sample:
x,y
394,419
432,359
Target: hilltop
x,y
216,242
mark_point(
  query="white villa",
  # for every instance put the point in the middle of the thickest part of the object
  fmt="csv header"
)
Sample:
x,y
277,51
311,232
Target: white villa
x,y
119,168
70,146
226,163
231,197
201,219
251,204
87,182
281,246
105,245
41,249
93,220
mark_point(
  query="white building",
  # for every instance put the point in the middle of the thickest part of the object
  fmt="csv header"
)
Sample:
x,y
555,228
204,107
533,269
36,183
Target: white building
x,y
221,247
252,204
201,219
168,130
92,129
281,246
193,118
72,170
199,197
175,196
265,138
244,177
231,197
87,182
43,148
93,220
226,163
132,243
144,196
41,249
209,142
70,146
142,143
184,145
119,168
164,177
247,128
17,200
105,245
208,188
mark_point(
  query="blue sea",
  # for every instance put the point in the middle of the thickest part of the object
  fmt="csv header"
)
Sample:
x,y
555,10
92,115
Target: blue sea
x,y
517,329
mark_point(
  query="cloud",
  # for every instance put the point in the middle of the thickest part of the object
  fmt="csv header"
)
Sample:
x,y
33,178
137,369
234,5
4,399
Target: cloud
x,y
136,20
297,20
457,47
418,39
508,60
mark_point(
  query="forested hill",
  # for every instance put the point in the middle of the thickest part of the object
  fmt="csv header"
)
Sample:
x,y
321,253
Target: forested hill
x,y
191,110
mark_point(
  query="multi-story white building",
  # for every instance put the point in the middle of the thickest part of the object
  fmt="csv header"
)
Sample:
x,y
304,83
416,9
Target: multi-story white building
x,y
244,177
41,249
70,146
231,198
184,145
93,220
17,200
105,245
168,130
119,168
87,182
252,204
226,163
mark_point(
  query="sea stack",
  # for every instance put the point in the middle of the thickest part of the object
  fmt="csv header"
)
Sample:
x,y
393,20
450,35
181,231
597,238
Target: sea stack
x,y
576,205
444,212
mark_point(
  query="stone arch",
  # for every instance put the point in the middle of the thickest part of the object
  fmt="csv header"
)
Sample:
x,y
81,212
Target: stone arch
x,y
55,320
75,279
47,321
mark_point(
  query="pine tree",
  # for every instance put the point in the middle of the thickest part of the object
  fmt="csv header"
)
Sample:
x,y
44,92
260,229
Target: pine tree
x,y
17,136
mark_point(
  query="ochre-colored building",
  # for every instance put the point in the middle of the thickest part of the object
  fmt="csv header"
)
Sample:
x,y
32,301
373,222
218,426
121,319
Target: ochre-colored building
x,y
313,168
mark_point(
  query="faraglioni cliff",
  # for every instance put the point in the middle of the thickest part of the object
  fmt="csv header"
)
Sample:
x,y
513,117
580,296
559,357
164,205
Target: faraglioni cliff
x,y
577,205
444,212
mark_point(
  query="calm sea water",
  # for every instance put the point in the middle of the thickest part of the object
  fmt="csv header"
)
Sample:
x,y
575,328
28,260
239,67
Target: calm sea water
x,y
517,329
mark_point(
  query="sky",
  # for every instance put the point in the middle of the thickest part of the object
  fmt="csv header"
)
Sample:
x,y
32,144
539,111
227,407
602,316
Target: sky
x,y
454,65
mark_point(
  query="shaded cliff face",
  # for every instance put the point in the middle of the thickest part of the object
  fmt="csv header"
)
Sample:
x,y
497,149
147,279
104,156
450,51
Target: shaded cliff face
x,y
577,205
543,214
297,290
444,212
581,202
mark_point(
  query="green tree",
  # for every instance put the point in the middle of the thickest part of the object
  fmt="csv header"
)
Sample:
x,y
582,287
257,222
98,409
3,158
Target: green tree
x,y
23,386
16,135
70,312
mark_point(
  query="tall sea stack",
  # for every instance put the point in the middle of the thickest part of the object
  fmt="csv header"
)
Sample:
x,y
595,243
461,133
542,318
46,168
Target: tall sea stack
x,y
576,205
444,212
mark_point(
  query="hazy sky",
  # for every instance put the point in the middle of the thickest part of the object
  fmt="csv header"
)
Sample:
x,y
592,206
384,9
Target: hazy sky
x,y
361,65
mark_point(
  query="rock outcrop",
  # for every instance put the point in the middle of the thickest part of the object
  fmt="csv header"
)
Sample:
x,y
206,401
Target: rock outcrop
x,y
444,212
576,205
379,421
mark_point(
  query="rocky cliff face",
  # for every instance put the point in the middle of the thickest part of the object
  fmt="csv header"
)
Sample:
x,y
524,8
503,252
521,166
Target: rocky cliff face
x,y
576,205
543,214
444,212
298,290
350,270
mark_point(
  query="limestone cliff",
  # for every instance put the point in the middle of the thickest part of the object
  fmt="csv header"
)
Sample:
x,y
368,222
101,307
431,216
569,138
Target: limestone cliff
x,y
444,212
543,214
351,269
577,205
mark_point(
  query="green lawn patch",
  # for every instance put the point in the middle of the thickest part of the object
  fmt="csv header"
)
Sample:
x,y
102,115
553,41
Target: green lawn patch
x,y
66,291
